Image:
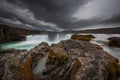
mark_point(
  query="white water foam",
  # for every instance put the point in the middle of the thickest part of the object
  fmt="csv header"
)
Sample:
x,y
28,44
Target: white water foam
x,y
33,40
40,66
102,40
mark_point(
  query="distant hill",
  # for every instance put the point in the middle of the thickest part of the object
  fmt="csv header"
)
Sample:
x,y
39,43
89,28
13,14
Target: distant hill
x,y
102,30
8,33
97,31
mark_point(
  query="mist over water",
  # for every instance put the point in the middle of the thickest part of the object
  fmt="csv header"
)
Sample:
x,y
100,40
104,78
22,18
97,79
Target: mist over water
x,y
33,40
102,40
51,38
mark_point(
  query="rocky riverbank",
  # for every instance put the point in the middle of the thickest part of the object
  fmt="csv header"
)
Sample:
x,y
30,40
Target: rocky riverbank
x,y
67,60
82,37
8,33
114,41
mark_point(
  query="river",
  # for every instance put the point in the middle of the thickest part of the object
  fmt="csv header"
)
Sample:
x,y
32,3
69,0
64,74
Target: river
x,y
33,40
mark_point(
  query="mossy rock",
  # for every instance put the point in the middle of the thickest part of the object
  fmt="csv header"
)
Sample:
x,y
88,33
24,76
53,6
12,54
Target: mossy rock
x,y
114,41
25,71
58,58
82,37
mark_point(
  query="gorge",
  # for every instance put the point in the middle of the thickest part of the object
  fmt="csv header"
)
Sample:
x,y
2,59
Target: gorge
x,y
59,40
41,55
66,60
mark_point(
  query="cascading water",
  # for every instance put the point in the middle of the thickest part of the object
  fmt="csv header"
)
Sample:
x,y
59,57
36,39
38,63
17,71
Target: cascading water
x,y
33,40
41,65
36,37
102,40
48,38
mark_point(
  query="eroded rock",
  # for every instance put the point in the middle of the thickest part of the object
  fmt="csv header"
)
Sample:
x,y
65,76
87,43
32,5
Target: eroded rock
x,y
16,65
12,33
79,60
114,41
67,60
19,64
82,37
38,52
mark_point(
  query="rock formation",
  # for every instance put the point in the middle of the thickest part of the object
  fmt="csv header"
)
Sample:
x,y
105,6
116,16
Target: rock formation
x,y
8,33
67,60
79,60
16,65
114,41
38,52
115,30
82,37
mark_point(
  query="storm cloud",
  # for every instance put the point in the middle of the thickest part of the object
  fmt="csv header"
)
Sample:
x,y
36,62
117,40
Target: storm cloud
x,y
57,15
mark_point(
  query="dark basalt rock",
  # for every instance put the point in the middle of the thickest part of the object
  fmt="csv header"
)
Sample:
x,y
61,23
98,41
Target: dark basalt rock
x,y
82,37
114,41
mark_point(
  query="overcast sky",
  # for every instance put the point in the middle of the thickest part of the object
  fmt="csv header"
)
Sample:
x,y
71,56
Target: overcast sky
x,y
57,15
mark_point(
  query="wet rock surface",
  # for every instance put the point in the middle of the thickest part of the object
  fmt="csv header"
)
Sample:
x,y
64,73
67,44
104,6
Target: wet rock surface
x,y
11,33
38,52
79,60
19,64
82,37
15,65
67,60
114,41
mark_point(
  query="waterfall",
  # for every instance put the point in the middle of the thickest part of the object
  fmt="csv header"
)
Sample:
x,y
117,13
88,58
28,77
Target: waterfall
x,y
33,40
42,37
49,38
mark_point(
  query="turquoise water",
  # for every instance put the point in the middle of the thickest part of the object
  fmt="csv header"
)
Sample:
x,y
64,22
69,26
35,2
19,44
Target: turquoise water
x,y
33,40
18,45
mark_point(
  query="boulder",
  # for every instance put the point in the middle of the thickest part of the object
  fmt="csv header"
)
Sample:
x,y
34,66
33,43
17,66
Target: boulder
x,y
79,60
16,65
38,52
82,37
19,64
67,60
114,41
1,49
12,33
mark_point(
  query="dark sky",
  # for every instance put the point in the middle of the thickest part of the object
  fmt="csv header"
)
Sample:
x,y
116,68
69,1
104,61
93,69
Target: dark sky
x,y
58,15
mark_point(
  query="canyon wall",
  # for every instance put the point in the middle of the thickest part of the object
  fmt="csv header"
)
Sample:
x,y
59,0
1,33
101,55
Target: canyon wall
x,y
8,33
